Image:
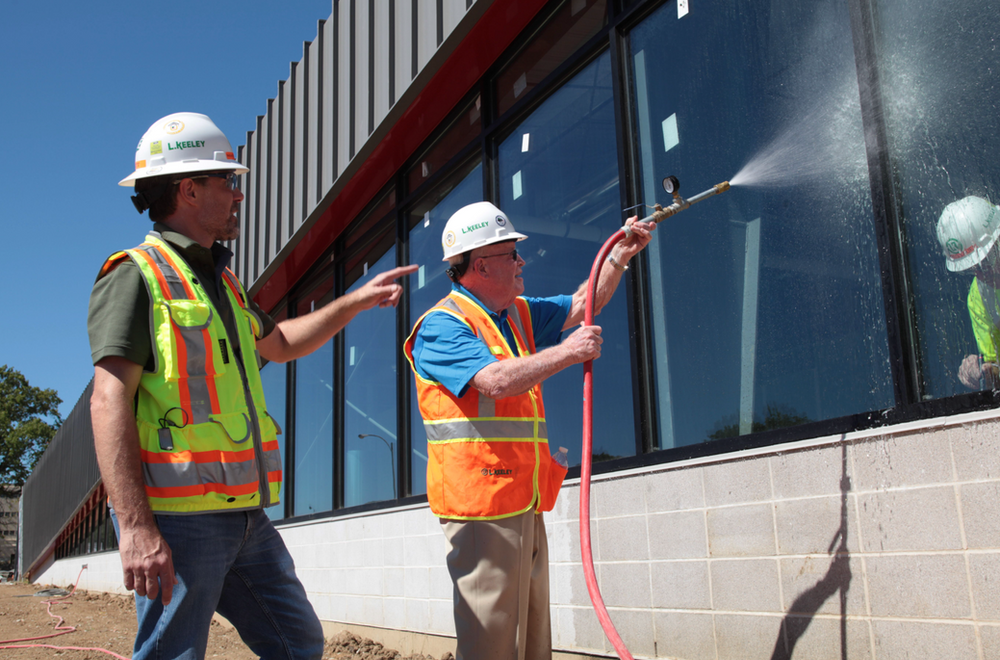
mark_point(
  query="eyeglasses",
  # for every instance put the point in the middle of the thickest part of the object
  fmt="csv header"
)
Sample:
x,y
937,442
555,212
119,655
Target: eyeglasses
x,y
512,254
231,181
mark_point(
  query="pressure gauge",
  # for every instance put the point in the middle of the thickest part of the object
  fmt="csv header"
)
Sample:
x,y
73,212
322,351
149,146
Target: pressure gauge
x,y
671,184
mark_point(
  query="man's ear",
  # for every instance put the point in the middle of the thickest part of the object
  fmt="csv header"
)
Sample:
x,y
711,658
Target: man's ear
x,y
480,266
188,192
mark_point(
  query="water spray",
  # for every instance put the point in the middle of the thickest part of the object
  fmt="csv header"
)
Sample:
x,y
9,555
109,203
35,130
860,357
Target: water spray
x,y
672,186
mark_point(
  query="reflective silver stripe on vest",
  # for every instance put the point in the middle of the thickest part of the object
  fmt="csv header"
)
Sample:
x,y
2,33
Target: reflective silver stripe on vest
x,y
272,461
448,303
197,380
173,475
170,276
514,317
485,429
487,406
194,342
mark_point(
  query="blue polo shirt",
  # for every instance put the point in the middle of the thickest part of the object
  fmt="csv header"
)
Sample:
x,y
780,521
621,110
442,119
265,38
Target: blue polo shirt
x,y
448,352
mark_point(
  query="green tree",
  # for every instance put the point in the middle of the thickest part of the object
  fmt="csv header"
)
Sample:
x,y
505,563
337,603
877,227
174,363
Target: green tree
x,y
29,417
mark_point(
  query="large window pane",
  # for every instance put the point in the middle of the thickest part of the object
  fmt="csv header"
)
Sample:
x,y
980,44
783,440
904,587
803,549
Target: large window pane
x,y
464,128
370,386
313,463
765,302
939,67
430,284
274,378
573,25
559,185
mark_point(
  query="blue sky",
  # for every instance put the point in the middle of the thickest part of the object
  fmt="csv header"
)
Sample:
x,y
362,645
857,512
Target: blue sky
x,y
81,83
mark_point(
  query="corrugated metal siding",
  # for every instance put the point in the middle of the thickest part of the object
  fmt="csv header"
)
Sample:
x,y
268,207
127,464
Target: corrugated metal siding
x,y
328,112
60,483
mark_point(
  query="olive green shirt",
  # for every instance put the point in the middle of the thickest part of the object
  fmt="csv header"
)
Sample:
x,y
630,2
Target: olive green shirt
x,y
118,319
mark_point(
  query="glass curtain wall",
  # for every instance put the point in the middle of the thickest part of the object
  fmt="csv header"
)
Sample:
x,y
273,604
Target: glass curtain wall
x,y
938,65
765,303
569,27
558,184
426,220
313,463
370,349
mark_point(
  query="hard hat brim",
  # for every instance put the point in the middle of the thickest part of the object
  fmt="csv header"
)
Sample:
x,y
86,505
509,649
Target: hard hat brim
x,y
510,236
970,260
184,167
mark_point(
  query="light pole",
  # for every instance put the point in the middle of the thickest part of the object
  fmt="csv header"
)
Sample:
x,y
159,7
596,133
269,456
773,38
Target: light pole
x,y
392,461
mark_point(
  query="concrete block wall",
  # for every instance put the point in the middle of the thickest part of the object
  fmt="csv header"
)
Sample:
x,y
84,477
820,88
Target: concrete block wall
x,y
384,570
875,545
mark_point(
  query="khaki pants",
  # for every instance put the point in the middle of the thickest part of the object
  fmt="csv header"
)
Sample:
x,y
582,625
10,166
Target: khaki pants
x,y
500,569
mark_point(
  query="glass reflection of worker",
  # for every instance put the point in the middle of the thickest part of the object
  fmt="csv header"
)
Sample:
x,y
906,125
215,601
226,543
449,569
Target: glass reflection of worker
x,y
968,230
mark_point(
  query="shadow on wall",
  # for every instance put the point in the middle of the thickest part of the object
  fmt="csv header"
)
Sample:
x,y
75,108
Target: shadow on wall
x,y
837,579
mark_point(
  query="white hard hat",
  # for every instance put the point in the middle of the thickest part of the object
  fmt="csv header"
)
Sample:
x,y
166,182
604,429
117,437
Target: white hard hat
x,y
474,226
182,143
967,230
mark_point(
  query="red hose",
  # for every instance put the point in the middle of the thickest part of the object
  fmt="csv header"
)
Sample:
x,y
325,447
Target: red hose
x,y
586,460
63,630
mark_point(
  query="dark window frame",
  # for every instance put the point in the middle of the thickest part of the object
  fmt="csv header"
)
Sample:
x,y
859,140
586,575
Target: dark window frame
x,y
614,37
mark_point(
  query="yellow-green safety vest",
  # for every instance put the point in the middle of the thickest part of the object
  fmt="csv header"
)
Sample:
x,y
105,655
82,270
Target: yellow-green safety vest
x,y
206,439
984,312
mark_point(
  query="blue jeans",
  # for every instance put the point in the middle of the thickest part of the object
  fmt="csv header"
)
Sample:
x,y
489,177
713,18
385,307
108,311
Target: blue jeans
x,y
235,564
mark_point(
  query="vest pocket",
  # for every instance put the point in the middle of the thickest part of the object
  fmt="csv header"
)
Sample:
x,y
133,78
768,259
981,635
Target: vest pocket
x,y
236,426
188,351
193,314
550,479
253,321
277,426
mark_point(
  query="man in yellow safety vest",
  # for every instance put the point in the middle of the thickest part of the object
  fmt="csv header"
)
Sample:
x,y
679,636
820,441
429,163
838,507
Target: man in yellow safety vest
x,y
479,357
968,230
186,447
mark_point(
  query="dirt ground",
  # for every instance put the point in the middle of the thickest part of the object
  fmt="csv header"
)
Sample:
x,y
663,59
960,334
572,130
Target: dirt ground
x,y
107,621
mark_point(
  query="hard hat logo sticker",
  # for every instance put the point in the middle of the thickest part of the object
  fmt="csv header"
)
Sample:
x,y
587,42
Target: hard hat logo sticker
x,y
155,148
174,127
449,239
953,246
502,221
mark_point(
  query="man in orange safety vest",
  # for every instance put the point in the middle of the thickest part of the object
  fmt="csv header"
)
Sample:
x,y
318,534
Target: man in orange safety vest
x,y
479,358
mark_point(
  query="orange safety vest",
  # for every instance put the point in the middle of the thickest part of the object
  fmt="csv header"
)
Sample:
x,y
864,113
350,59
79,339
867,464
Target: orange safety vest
x,y
207,442
487,458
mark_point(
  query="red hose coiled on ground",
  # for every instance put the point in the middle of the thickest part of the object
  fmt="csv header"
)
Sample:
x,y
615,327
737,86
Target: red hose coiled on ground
x,y
586,461
60,628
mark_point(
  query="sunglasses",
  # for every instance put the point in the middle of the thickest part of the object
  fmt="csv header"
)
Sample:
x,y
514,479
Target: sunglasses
x,y
512,254
232,182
